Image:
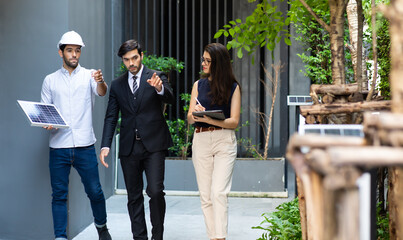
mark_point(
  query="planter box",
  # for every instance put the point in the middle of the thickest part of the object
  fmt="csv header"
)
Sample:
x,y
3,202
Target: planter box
x,y
250,176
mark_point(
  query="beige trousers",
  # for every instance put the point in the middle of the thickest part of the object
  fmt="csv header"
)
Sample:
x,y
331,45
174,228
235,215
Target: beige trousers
x,y
213,156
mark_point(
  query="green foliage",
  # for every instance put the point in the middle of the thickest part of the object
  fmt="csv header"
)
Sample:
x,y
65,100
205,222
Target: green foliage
x,y
122,69
316,55
266,26
367,10
181,132
383,46
285,223
282,224
164,64
382,222
316,43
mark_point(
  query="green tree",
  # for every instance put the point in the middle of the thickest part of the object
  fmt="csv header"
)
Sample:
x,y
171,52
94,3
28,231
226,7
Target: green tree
x,y
383,45
265,27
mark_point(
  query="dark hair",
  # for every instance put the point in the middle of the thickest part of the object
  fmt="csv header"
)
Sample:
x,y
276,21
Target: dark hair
x,y
128,46
221,73
63,46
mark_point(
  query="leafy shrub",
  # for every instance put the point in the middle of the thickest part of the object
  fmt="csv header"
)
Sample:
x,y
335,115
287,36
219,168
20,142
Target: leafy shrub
x,y
164,64
382,223
181,132
285,223
282,224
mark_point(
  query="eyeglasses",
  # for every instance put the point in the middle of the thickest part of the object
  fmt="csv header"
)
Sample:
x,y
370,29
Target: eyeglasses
x,y
206,61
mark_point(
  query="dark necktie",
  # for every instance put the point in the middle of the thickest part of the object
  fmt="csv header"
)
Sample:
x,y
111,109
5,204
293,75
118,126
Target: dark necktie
x,y
135,86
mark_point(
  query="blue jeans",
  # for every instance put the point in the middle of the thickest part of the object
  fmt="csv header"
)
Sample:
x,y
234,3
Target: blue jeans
x,y
84,160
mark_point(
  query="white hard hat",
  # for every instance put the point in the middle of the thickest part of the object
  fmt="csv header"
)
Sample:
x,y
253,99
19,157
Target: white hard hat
x,y
72,38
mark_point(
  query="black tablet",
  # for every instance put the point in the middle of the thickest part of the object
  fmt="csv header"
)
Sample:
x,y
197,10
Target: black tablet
x,y
217,114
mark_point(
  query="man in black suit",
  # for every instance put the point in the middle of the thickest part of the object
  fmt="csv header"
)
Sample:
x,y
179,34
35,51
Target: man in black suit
x,y
139,95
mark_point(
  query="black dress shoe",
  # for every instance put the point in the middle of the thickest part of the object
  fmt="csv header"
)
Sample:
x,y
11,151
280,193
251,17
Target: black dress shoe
x,y
103,233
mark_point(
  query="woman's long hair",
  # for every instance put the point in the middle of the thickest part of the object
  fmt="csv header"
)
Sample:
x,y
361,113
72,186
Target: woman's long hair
x,y
221,73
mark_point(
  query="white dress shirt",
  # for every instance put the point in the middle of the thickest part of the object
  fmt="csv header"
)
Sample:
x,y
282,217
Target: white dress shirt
x,y
138,75
74,96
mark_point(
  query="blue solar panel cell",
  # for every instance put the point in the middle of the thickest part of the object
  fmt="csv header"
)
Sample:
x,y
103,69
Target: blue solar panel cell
x,y
40,114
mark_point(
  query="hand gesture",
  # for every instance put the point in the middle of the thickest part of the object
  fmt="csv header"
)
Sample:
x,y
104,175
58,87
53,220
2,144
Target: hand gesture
x,y
156,82
97,75
104,153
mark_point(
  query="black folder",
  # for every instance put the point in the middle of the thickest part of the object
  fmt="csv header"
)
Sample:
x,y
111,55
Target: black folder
x,y
217,114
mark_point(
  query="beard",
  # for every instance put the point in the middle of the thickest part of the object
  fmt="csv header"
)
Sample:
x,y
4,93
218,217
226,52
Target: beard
x,y
69,63
134,69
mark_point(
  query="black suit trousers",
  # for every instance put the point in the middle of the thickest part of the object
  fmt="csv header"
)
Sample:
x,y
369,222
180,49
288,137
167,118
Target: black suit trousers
x,y
133,166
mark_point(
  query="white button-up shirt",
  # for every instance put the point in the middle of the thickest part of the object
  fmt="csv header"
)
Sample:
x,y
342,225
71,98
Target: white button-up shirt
x,y
138,75
74,96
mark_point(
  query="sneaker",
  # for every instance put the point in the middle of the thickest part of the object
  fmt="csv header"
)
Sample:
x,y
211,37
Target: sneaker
x,y
103,233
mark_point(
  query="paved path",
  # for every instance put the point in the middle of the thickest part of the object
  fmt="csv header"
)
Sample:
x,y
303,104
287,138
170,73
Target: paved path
x,y
184,219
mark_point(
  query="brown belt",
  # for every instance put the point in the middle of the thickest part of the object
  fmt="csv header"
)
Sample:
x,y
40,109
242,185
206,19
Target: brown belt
x,y
205,129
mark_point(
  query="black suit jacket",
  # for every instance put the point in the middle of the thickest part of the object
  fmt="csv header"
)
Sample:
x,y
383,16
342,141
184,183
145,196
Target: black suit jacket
x,y
146,115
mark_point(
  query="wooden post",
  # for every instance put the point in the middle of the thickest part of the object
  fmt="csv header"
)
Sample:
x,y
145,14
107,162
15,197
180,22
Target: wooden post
x,y
395,196
322,109
313,190
348,214
394,12
302,209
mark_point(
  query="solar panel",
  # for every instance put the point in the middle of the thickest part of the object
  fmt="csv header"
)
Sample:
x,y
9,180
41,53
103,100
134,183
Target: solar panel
x,y
41,114
332,129
298,100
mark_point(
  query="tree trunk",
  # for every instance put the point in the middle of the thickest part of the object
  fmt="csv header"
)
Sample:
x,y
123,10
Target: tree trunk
x,y
396,53
395,15
355,22
337,9
374,50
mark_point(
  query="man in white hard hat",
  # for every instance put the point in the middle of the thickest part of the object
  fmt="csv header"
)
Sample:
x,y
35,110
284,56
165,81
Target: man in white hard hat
x,y
72,89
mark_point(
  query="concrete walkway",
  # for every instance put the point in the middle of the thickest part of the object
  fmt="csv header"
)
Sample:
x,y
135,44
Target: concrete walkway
x,y
184,218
